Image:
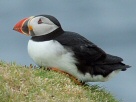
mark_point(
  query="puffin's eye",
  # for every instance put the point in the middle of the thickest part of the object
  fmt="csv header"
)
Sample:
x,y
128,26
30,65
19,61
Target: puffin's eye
x,y
40,21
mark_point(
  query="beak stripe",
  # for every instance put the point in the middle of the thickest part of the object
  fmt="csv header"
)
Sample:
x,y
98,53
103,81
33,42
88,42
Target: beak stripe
x,y
30,27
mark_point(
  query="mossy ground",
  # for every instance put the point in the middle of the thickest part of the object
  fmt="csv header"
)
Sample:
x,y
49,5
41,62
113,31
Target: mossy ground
x,y
25,84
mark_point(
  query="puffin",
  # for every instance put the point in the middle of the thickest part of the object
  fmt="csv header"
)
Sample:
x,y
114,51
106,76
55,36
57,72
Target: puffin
x,y
68,52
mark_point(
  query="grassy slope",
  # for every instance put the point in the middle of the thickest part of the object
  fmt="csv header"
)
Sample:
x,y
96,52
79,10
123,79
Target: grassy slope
x,y
21,84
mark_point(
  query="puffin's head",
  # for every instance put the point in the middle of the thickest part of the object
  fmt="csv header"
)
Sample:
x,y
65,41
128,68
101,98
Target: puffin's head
x,y
37,25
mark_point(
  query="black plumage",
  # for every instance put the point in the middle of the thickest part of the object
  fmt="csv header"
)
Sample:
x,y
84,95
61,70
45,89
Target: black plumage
x,y
91,58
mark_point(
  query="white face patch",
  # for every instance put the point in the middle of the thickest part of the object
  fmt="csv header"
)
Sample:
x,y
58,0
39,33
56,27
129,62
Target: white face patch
x,y
43,28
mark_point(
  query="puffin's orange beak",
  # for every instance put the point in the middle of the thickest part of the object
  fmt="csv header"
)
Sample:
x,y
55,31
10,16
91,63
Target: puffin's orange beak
x,y
23,27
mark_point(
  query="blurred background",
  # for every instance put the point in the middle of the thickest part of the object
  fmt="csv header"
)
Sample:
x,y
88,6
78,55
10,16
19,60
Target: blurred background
x,y
110,24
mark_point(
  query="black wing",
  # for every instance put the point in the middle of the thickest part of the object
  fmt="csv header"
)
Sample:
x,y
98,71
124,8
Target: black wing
x,y
84,50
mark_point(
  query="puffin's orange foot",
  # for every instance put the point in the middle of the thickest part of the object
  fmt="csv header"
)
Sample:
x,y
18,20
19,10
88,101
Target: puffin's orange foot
x,y
70,76
78,82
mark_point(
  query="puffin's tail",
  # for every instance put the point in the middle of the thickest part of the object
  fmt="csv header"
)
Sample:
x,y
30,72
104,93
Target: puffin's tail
x,y
109,64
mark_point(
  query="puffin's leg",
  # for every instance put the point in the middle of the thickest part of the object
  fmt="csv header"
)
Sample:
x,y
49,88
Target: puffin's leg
x,y
70,76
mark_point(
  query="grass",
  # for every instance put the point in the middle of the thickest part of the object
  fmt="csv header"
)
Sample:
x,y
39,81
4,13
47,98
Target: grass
x,y
25,84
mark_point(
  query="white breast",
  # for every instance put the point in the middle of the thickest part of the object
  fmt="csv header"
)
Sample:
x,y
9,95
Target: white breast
x,y
52,54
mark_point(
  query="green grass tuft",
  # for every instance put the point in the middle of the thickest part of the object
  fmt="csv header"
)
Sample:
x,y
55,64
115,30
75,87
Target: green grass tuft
x,y
25,84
